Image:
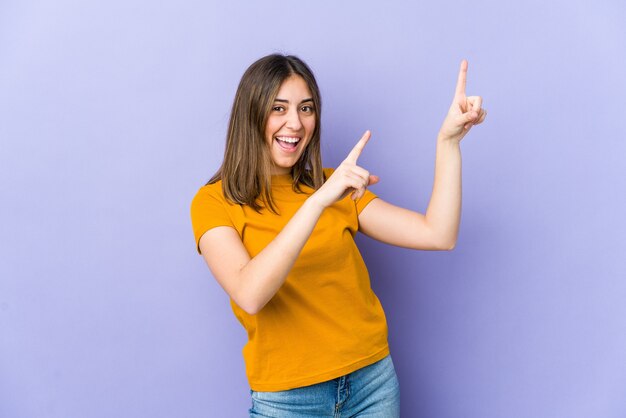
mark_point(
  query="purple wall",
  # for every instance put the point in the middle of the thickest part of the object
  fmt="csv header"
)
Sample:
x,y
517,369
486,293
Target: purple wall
x,y
113,113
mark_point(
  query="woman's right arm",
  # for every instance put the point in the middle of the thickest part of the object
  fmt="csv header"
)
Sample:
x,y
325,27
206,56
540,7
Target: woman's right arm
x,y
252,282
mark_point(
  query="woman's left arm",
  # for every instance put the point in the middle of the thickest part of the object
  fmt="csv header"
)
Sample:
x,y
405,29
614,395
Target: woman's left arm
x,y
438,228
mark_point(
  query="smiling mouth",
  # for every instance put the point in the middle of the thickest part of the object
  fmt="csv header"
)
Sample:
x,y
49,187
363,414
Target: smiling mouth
x,y
288,143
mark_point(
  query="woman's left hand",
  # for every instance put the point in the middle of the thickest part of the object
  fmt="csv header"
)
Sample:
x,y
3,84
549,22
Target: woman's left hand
x,y
464,112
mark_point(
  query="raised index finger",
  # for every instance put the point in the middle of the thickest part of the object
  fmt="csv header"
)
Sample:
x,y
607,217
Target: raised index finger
x,y
460,83
358,148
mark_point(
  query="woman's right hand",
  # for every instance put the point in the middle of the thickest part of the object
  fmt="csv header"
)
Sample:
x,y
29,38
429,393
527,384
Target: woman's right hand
x,y
347,178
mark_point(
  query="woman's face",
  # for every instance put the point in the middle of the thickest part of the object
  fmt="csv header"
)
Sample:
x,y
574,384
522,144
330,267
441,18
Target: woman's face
x,y
290,124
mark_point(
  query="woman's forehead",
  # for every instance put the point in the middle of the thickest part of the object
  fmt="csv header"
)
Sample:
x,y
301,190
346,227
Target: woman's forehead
x,y
293,89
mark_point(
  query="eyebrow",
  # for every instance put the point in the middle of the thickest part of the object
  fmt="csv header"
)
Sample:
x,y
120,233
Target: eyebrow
x,y
310,99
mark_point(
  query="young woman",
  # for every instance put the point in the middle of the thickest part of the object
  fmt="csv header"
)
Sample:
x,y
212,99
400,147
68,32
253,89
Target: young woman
x,y
277,232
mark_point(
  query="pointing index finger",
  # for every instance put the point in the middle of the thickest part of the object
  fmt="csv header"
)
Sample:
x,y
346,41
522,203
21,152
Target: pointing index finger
x,y
358,148
462,79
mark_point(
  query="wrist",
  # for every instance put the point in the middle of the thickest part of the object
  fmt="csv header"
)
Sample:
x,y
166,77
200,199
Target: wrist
x,y
448,140
315,203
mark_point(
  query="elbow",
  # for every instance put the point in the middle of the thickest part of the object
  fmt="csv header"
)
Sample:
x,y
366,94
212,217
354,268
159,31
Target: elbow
x,y
244,295
250,304
254,292
252,310
251,307
440,247
434,246
440,239
445,245
448,241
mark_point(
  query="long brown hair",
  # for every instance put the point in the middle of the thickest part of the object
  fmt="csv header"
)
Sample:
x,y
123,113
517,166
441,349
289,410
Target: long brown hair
x,y
246,169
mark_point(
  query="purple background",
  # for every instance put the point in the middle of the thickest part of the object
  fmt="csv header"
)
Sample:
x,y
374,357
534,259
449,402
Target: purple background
x,y
113,114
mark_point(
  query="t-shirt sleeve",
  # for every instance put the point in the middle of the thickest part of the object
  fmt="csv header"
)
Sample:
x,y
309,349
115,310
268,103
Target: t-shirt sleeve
x,y
209,210
364,200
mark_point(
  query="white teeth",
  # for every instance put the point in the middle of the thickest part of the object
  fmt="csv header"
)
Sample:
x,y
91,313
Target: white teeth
x,y
289,139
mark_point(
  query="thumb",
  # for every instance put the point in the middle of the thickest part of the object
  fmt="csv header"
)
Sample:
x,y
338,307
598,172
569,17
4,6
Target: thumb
x,y
373,180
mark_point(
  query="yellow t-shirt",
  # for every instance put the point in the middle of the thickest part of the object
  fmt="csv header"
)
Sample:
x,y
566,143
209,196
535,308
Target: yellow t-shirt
x,y
325,321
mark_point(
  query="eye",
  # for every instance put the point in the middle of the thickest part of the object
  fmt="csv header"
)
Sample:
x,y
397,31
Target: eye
x,y
307,109
278,108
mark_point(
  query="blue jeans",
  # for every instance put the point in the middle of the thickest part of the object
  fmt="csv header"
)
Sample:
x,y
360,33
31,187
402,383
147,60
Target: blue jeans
x,y
372,391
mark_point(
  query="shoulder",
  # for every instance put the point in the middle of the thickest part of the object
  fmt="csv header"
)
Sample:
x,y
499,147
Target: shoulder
x,y
213,189
210,209
328,172
210,195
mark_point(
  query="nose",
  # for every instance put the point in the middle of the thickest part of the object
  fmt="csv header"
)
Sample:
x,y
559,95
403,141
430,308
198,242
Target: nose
x,y
293,120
